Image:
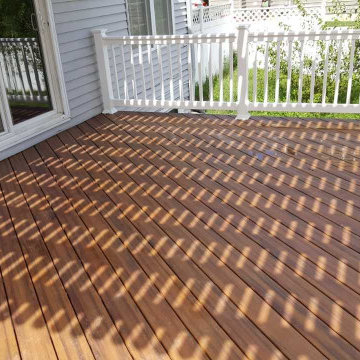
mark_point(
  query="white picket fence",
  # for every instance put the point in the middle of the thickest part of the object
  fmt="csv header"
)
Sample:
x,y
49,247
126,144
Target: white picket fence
x,y
209,16
23,70
277,18
121,87
281,18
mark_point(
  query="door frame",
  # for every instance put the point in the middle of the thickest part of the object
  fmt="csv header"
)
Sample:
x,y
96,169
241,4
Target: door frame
x,y
22,135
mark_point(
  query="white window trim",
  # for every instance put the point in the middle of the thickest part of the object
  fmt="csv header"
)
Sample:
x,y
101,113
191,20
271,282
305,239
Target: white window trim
x,y
152,16
20,136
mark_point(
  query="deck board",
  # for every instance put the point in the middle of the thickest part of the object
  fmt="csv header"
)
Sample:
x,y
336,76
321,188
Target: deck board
x,y
8,344
148,236
25,307
160,316
272,246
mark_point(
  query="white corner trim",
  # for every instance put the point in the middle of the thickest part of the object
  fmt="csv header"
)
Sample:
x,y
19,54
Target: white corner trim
x,y
173,18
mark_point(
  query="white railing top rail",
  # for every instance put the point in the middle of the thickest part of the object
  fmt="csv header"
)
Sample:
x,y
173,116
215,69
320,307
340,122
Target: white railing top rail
x,y
338,34
167,39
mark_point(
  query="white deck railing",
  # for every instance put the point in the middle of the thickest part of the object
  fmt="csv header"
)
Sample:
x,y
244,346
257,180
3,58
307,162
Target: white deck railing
x,y
320,60
23,70
324,64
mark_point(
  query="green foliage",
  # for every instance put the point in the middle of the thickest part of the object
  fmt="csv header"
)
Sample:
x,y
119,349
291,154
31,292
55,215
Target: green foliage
x,y
337,7
15,19
357,20
341,23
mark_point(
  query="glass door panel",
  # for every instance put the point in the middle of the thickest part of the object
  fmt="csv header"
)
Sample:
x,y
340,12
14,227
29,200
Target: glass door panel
x,y
21,61
163,17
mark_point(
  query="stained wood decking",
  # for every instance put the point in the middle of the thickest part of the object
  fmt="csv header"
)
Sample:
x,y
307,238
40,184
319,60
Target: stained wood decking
x,y
157,236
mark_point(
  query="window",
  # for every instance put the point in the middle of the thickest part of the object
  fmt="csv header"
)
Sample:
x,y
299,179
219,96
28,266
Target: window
x,y
150,17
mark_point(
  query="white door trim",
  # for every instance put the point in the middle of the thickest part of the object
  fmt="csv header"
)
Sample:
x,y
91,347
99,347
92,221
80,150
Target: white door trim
x,y
52,56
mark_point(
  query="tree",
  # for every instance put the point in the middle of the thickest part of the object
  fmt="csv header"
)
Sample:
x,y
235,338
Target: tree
x,y
15,18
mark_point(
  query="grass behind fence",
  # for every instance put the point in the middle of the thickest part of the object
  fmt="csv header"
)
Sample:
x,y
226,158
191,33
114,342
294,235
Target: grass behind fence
x,y
294,92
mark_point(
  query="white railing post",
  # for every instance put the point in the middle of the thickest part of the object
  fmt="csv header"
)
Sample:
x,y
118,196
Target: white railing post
x,y
102,56
323,10
243,68
201,19
190,16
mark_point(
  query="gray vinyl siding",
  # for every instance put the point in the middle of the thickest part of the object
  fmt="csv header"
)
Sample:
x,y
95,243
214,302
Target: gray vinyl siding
x,y
74,20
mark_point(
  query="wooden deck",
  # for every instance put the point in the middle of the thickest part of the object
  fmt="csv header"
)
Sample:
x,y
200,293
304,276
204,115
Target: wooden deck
x,y
157,236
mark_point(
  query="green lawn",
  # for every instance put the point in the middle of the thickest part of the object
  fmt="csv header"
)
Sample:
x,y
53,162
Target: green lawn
x,y
340,23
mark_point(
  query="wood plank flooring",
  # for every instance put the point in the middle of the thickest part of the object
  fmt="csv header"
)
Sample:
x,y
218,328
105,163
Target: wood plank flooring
x,y
178,236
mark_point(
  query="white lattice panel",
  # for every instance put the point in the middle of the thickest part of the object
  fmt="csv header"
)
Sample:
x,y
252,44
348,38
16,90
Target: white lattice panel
x,y
210,14
279,18
213,13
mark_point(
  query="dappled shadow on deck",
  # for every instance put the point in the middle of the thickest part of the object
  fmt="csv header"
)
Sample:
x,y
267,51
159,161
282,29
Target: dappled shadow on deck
x,y
160,235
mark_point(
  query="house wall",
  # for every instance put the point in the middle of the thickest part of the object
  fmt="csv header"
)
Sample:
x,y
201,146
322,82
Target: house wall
x,y
74,21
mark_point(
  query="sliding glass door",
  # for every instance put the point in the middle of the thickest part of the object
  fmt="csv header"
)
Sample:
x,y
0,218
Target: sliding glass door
x,y
22,63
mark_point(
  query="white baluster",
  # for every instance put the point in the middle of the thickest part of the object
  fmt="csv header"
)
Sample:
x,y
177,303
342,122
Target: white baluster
x,y
289,72
255,74
200,77
141,64
277,80
211,86
170,73
326,67
312,81
221,72
159,56
242,53
266,76
115,71
301,71
151,66
126,88
191,74
351,70
337,73
231,64
181,82
133,81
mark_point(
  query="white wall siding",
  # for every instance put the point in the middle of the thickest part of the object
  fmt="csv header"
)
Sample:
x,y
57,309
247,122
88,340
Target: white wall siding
x,y
75,19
